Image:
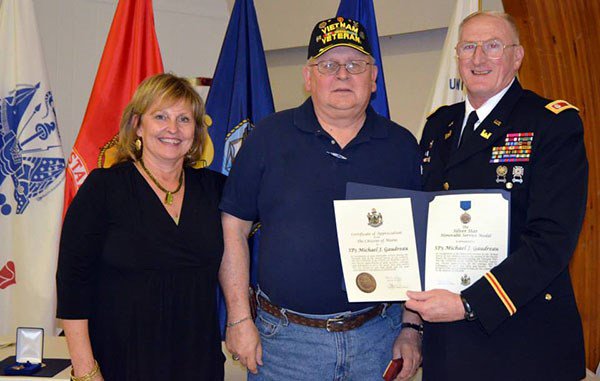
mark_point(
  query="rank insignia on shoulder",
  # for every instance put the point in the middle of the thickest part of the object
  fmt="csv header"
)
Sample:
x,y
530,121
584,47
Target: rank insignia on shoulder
x,y
559,106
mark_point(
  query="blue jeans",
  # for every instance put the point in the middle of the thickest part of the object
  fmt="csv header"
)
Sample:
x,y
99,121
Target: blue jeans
x,y
295,352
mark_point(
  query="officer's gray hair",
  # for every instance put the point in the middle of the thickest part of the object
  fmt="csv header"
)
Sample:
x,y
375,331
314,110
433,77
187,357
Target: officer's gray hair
x,y
510,21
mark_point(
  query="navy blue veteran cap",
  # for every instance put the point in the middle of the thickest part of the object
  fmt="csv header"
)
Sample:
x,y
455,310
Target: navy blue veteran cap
x,y
335,32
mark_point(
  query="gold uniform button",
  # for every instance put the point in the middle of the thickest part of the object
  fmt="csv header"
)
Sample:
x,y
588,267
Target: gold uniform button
x,y
548,297
446,186
509,185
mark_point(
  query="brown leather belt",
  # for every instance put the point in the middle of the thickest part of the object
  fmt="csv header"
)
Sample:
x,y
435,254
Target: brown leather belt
x,y
338,324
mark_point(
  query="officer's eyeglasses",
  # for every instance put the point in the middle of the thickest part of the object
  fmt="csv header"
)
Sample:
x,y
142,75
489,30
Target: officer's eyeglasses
x,y
493,49
332,67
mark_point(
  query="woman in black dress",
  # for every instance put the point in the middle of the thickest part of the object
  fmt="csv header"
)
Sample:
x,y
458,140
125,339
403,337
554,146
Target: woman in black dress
x,y
141,247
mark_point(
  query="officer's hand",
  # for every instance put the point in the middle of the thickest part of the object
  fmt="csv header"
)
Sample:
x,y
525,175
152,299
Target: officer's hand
x,y
243,340
408,346
436,305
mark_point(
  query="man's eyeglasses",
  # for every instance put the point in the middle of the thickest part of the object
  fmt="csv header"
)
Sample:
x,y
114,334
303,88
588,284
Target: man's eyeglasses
x,y
491,48
332,67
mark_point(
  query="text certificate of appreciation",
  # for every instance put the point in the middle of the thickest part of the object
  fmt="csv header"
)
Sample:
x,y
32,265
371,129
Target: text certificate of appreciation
x,y
377,248
467,235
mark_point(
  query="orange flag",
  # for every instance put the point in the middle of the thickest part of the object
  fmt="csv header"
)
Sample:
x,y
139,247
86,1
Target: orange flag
x,y
131,54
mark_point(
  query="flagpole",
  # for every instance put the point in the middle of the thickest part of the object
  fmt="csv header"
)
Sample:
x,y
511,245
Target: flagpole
x,y
479,6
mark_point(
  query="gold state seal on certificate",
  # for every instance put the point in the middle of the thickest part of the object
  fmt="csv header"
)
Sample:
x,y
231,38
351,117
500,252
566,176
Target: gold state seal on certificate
x,y
366,282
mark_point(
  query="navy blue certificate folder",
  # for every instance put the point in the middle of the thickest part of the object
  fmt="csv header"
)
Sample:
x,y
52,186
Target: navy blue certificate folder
x,y
420,206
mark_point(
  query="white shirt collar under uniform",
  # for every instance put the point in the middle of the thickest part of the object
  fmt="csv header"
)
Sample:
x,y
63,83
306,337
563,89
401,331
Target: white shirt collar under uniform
x,y
485,109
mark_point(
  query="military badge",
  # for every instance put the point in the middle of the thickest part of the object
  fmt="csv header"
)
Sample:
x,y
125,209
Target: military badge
x,y
517,173
447,135
465,218
375,218
516,148
465,280
485,134
501,172
559,106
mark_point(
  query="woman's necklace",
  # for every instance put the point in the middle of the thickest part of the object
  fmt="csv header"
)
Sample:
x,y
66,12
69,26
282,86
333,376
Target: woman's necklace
x,y
169,194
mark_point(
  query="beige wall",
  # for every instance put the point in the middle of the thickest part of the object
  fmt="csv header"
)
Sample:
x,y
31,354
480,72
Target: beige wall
x,y
190,33
409,61
411,33
73,32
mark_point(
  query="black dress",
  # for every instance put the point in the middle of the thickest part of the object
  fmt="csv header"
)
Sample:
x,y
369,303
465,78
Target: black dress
x,y
146,284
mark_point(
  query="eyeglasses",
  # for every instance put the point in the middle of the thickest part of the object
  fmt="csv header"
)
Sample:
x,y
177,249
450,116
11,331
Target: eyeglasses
x,y
332,67
491,48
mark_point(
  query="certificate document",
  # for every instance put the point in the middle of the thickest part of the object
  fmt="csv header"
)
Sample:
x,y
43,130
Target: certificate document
x,y
460,235
377,248
467,235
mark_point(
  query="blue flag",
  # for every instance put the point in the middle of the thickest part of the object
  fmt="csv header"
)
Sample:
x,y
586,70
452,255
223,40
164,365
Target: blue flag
x,y
363,12
239,97
240,94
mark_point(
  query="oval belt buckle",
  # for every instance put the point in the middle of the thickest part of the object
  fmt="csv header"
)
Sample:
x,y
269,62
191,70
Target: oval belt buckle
x,y
334,322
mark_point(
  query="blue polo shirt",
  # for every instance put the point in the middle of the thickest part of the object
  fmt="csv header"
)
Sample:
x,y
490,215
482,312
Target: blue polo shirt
x,y
287,174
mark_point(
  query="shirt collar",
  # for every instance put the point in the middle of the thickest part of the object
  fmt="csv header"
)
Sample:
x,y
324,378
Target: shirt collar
x,y
306,120
486,108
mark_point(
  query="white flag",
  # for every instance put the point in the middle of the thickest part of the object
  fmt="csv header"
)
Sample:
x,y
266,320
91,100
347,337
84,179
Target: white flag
x,y
448,87
31,175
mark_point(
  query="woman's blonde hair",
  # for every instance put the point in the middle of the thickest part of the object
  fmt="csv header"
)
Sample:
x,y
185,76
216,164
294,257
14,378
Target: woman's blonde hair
x,y
161,89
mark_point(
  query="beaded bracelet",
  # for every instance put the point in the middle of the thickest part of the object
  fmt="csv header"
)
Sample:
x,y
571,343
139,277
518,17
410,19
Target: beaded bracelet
x,y
234,323
88,376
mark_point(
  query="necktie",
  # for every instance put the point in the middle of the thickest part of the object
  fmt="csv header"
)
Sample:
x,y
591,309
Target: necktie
x,y
468,131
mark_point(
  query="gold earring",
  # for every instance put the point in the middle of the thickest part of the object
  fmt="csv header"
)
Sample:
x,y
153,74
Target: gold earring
x,y
190,152
138,144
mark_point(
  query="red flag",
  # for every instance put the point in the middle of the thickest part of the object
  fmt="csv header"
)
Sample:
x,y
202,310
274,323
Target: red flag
x,y
131,54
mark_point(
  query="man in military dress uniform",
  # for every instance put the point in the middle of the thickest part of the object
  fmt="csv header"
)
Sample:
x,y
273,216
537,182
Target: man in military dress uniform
x,y
520,320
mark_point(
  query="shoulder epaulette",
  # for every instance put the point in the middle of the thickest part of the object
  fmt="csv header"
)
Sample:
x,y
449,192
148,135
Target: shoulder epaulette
x,y
559,106
435,110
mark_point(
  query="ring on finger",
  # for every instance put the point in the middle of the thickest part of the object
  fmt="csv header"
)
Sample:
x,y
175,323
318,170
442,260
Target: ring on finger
x,y
235,357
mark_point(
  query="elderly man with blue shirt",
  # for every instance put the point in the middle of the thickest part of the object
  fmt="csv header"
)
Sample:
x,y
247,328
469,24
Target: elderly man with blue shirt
x,y
287,174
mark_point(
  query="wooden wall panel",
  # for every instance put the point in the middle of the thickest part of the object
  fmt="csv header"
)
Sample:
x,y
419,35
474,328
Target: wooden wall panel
x,y
562,59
